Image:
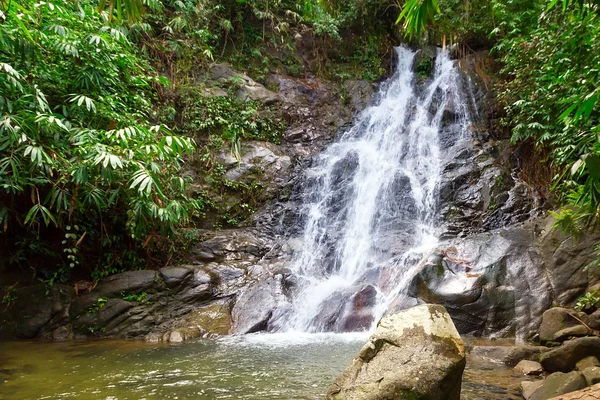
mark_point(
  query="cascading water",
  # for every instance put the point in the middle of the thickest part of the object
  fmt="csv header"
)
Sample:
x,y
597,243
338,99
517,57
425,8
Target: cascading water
x,y
370,204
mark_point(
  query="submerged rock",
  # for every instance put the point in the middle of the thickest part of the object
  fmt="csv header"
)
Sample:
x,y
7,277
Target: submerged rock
x,y
416,353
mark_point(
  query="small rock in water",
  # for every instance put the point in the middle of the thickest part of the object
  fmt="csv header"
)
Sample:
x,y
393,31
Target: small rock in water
x,y
526,367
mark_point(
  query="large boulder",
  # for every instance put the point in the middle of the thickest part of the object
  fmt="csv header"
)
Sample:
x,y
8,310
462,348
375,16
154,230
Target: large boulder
x,y
255,306
559,322
566,357
416,353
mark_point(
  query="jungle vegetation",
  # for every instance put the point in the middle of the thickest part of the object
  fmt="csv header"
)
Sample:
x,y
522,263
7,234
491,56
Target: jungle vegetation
x,y
97,118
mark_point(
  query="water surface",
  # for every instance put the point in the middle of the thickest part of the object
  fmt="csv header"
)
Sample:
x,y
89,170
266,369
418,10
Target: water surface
x,y
253,367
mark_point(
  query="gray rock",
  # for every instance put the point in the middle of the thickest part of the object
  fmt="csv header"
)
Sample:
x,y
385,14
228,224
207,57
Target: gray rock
x,y
361,94
587,362
529,387
526,367
559,383
175,275
126,282
416,353
254,308
565,357
256,91
591,375
501,282
98,319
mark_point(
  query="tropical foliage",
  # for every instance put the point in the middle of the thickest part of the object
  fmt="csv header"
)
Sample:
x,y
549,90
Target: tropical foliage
x,y
93,137
78,146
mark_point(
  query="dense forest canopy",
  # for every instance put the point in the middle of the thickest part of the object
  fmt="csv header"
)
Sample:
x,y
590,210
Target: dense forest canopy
x,y
99,109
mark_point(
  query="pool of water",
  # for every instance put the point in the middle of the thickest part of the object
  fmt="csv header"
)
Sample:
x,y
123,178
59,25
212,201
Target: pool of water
x,y
263,366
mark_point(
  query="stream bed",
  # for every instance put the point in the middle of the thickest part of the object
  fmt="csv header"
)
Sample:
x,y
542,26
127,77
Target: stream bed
x,y
261,366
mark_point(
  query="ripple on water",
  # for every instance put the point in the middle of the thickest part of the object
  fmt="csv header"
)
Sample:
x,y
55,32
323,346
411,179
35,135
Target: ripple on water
x,y
251,367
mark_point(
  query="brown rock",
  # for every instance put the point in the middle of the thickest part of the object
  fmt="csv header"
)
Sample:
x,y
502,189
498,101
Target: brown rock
x,y
590,393
565,357
591,375
526,367
558,319
559,383
587,362
529,387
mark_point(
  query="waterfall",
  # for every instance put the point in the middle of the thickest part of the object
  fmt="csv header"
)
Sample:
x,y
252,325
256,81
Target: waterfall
x,y
370,201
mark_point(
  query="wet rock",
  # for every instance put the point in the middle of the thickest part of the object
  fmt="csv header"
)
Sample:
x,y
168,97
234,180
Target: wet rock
x,y
424,61
521,270
587,362
556,323
559,383
565,357
255,306
360,94
200,288
360,316
416,353
526,367
529,387
61,333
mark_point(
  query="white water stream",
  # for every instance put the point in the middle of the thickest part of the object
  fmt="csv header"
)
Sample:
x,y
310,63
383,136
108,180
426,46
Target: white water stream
x,y
370,204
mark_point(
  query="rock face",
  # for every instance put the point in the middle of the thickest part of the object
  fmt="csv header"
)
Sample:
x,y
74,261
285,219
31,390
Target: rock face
x,y
501,282
413,354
